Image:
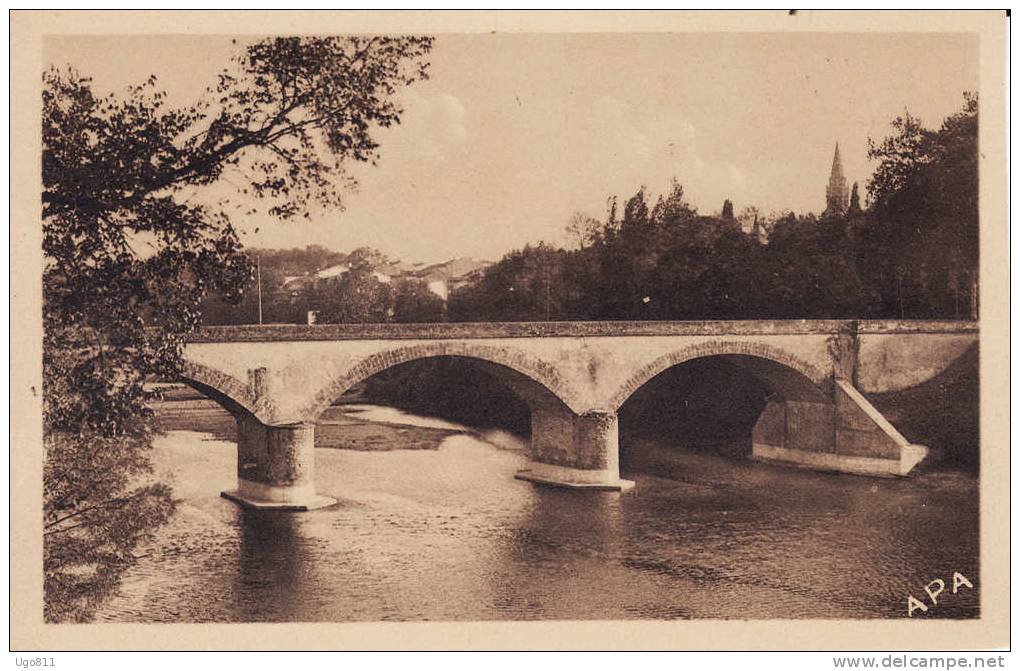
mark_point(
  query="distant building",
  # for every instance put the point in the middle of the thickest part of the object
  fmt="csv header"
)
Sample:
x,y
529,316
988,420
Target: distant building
x,y
439,287
443,278
295,284
837,195
440,278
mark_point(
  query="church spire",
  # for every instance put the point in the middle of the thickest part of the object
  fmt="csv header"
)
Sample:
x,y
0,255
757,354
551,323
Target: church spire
x,y
836,194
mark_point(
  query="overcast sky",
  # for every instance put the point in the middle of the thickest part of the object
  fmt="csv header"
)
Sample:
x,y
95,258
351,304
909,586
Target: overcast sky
x,y
513,133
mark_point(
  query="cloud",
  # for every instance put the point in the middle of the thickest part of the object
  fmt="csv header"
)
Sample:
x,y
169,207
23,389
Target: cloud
x,y
735,174
449,115
434,124
633,133
625,145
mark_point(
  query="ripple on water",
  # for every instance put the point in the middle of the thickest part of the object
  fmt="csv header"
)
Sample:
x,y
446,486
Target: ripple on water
x,y
451,535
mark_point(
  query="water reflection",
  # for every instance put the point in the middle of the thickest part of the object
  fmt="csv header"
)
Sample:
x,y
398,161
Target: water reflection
x,y
273,573
450,535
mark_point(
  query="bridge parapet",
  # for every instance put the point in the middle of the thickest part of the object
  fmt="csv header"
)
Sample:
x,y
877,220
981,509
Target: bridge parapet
x,y
578,329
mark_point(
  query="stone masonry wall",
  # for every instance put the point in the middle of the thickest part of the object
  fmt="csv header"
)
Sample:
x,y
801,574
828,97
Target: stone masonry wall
x,y
458,330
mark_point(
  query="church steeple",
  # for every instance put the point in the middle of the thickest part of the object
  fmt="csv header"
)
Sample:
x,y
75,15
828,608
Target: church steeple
x,y
837,197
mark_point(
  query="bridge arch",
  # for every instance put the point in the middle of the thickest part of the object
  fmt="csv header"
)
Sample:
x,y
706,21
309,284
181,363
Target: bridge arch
x,y
235,396
774,365
527,368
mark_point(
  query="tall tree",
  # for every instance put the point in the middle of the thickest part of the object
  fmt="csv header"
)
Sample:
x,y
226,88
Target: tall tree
x,y
854,208
920,245
525,285
583,229
672,208
727,210
130,252
414,302
356,297
359,295
627,257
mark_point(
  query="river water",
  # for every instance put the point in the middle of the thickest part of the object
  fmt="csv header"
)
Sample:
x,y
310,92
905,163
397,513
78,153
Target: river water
x,y
449,534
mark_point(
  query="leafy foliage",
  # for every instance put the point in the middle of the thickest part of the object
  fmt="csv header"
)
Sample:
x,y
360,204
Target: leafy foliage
x,y
131,253
920,240
727,210
356,296
414,302
912,254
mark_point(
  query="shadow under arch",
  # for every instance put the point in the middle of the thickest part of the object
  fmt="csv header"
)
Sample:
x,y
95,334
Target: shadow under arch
x,y
535,381
714,403
788,375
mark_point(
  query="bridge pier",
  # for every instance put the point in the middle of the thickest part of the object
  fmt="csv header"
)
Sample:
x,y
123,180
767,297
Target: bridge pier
x,y
275,467
575,451
846,436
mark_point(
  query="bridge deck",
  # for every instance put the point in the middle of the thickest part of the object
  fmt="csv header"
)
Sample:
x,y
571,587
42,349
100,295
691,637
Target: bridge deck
x,y
464,330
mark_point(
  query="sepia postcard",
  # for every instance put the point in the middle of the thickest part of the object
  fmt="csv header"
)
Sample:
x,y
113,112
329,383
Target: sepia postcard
x,y
509,330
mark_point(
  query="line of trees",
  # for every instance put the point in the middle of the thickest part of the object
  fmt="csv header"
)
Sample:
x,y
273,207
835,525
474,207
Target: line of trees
x,y
913,253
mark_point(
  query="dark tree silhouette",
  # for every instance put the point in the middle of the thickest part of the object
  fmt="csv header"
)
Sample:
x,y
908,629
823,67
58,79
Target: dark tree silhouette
x,y
727,210
919,248
913,253
854,208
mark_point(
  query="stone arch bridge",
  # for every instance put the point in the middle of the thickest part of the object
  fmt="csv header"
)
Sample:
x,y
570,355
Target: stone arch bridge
x,y
277,379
